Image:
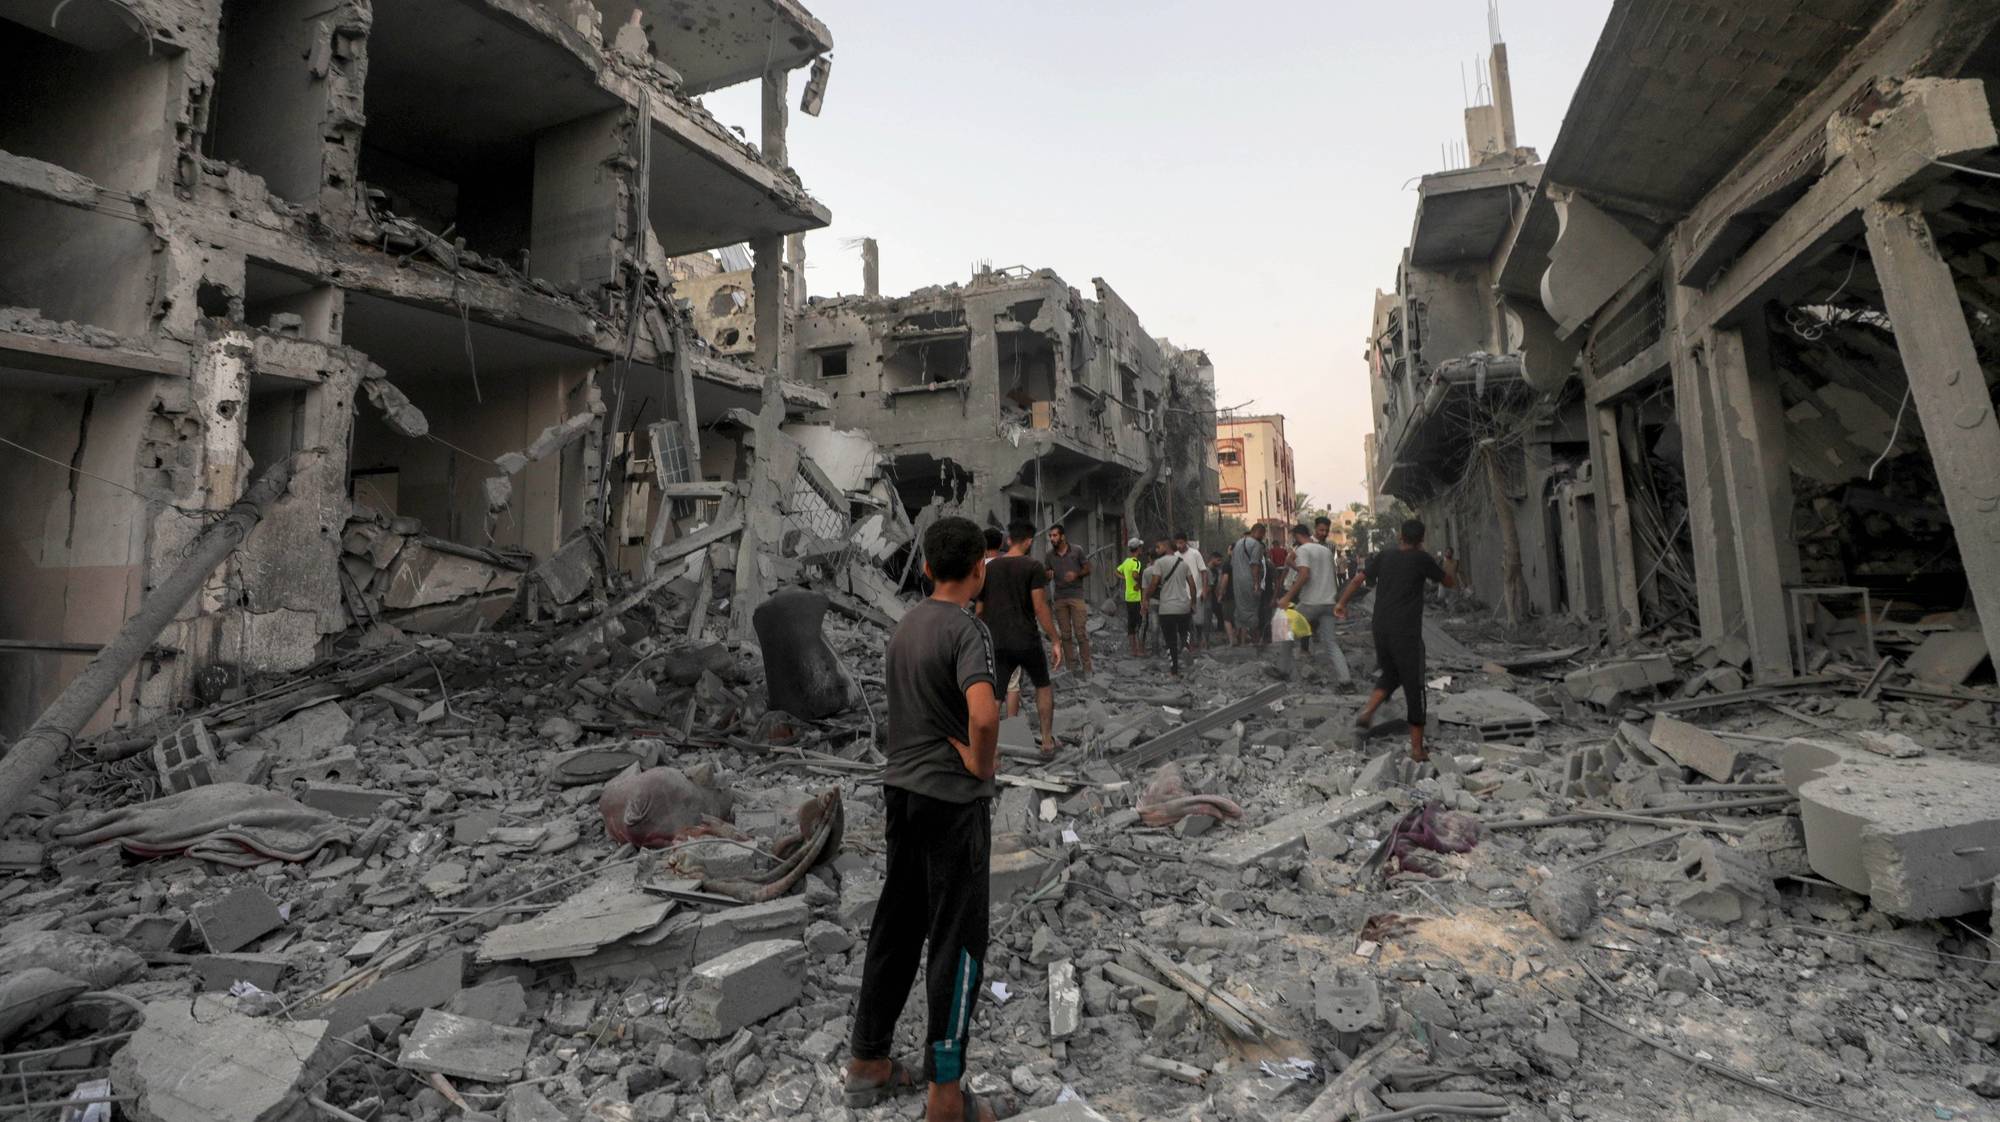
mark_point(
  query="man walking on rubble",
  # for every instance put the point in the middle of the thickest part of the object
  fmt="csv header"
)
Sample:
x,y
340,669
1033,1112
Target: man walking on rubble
x,y
1398,577
1171,592
1013,604
944,749
1246,582
1135,614
1314,588
1067,567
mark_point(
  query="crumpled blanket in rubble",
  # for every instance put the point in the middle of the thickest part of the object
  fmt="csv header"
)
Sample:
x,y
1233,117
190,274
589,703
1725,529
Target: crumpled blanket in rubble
x,y
229,823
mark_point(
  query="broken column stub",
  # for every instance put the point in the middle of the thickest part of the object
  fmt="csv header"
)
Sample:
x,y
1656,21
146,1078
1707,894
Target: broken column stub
x,y
1920,837
742,987
802,674
202,1061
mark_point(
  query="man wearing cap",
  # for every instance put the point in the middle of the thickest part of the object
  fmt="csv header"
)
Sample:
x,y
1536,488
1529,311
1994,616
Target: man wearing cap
x,y
1135,617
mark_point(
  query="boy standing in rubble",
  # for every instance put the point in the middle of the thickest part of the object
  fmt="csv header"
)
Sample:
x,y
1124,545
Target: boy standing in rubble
x,y
1398,577
943,749
1135,613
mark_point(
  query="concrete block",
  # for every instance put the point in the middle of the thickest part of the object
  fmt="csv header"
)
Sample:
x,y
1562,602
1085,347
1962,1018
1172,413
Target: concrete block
x,y
501,1001
202,1061
336,766
1289,833
310,731
742,987
1947,658
235,920
1015,874
784,918
220,971
464,1047
1606,685
1565,905
1695,748
1920,837
1065,1000
424,986
1728,885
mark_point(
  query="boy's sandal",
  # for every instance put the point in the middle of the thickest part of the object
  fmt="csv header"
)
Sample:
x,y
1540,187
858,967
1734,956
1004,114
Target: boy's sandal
x,y
902,1080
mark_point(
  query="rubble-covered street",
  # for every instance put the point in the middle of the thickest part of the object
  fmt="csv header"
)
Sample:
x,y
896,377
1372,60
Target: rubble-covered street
x,y
390,891
490,632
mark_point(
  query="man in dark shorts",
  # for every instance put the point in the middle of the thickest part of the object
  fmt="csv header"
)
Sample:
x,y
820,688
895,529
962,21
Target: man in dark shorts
x,y
944,749
1398,576
1014,603
1067,568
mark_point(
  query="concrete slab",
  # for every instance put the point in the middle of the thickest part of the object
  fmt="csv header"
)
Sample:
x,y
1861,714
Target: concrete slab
x,y
1289,833
202,1061
235,920
1947,658
1920,837
221,971
1063,1112
1695,748
607,911
422,986
464,1047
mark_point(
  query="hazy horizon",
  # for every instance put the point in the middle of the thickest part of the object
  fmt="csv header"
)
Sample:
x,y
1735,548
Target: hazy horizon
x,y
1245,185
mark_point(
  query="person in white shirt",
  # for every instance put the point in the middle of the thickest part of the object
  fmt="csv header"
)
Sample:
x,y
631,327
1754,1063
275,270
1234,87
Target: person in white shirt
x,y
1315,588
1192,556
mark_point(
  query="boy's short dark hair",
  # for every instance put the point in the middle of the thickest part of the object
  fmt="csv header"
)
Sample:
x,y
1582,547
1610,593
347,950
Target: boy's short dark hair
x,y
1021,530
1322,520
994,538
1257,529
952,546
1180,535
1413,532
1302,530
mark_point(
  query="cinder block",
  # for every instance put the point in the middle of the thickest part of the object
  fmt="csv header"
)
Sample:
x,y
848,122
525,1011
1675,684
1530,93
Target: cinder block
x,y
742,987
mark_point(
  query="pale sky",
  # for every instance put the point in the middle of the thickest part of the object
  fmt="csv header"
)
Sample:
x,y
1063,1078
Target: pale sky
x,y
1236,172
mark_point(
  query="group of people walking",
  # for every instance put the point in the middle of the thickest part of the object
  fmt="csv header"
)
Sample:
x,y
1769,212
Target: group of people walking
x,y
980,632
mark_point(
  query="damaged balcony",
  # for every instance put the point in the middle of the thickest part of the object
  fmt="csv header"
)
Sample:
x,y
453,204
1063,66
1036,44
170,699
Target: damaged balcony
x,y
712,44
544,182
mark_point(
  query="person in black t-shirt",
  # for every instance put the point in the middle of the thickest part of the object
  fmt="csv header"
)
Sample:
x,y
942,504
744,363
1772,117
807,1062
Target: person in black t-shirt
x,y
1398,576
1014,603
937,793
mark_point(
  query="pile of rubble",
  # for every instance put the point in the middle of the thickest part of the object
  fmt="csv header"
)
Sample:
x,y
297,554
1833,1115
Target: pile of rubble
x,y
401,887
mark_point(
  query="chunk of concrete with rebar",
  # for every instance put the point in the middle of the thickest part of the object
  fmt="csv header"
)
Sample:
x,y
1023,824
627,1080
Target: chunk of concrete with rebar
x,y
1920,837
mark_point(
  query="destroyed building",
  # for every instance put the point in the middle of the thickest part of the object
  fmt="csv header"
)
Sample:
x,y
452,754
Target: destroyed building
x,y
1733,379
1015,396
426,242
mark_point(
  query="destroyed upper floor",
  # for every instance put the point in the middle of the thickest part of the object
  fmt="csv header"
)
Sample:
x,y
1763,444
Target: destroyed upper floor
x,y
505,160
1010,352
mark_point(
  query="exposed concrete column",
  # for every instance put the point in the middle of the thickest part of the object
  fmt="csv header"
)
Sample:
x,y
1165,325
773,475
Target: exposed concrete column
x,y
1949,390
871,267
578,223
1718,588
773,144
767,269
1614,526
1751,442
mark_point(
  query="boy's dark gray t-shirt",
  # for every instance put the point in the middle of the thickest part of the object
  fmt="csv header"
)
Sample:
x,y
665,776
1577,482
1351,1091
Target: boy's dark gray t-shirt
x,y
938,652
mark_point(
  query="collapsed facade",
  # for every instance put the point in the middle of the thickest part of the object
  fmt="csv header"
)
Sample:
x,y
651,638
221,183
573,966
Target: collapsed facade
x,y
426,244
1728,380
1015,396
